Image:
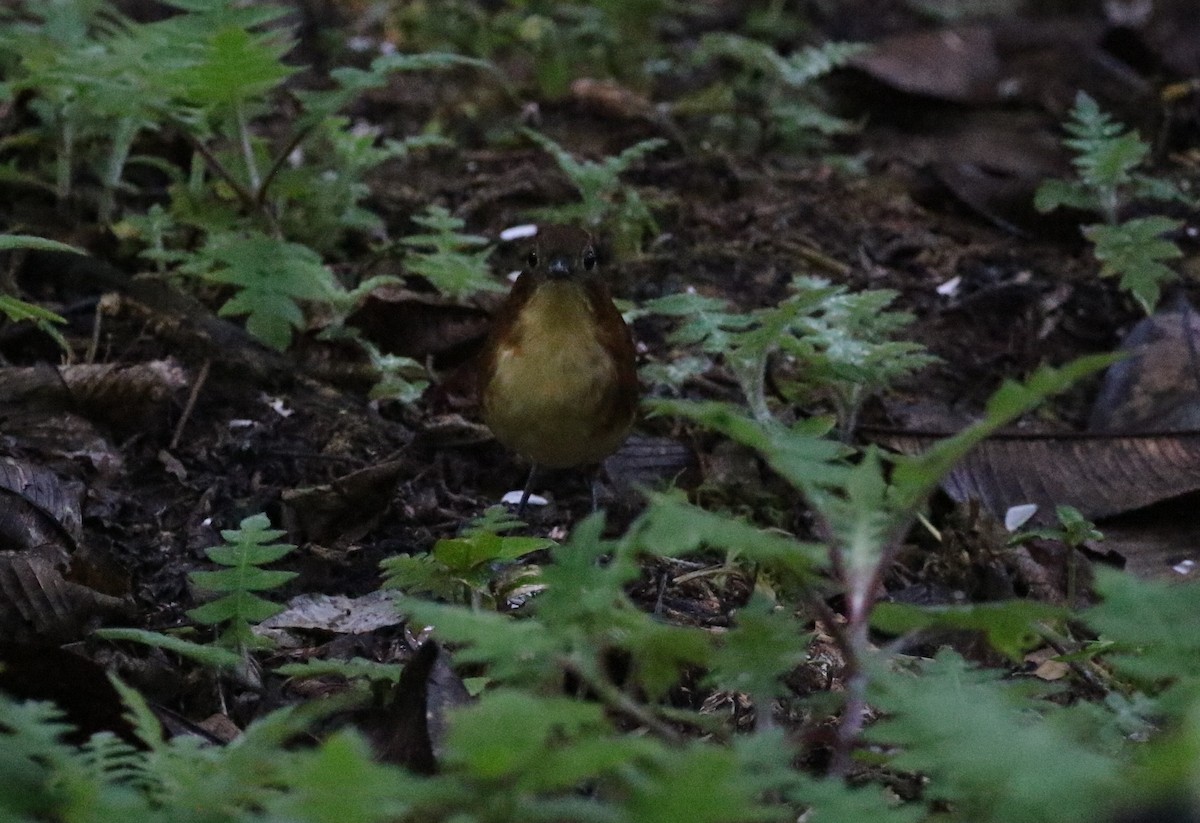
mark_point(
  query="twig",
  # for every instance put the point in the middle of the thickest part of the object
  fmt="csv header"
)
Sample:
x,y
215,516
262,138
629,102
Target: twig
x,y
1061,645
201,378
618,701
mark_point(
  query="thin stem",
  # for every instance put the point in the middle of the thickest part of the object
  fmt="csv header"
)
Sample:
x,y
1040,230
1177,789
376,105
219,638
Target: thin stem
x,y
853,639
247,149
854,710
244,195
620,702
122,143
1072,573
526,491
280,160
218,168
66,156
1088,672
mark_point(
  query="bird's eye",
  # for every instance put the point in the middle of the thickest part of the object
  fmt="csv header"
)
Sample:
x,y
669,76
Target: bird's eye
x,y
589,258
532,260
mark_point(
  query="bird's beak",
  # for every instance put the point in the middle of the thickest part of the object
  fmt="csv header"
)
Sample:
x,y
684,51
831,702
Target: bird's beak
x,y
560,267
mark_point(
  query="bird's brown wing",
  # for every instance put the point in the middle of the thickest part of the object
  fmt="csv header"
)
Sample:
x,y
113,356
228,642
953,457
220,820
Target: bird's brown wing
x,y
504,325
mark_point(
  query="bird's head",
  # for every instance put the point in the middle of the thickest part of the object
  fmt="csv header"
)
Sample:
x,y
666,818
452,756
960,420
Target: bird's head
x,y
561,253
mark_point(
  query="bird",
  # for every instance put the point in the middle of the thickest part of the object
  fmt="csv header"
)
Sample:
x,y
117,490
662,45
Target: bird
x,y
558,380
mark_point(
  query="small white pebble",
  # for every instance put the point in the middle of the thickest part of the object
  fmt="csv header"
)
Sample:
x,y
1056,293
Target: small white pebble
x,y
277,405
950,287
1184,567
240,423
513,498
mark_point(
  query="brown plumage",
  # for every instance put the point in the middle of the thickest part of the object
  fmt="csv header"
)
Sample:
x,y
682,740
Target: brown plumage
x,y
558,380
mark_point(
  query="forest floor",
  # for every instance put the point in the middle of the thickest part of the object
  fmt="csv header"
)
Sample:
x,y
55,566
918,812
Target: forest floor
x,y
930,196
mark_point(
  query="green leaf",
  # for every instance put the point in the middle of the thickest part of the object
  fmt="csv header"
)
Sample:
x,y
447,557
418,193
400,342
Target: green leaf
x,y
462,554
797,70
672,527
915,478
765,644
31,752
450,267
273,276
248,578
507,732
233,67
421,574
1106,160
1010,626
319,785
214,656
599,184
356,667
1135,250
835,344
985,749
1156,625
708,784
801,453
514,651
8,242
660,652
1106,155
249,547
1074,194
459,565
145,722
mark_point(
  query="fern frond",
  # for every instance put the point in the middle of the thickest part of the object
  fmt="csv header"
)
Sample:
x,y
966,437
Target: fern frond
x,y
248,548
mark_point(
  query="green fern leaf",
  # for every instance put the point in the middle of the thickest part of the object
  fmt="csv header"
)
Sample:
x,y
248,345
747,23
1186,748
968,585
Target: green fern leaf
x,y
1135,250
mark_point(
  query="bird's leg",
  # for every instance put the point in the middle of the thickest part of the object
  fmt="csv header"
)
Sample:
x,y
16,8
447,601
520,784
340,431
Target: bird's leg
x,y
526,492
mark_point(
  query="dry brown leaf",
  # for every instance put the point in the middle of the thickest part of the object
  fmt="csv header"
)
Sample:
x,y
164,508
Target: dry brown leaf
x,y
38,603
950,64
39,507
1101,475
344,510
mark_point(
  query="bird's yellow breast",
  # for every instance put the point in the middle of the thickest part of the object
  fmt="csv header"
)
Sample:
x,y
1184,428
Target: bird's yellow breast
x,y
549,395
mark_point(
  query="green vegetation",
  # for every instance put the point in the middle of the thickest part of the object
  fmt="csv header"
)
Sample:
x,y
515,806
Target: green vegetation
x,y
592,708
464,569
18,310
1107,159
788,109
252,215
827,343
443,256
238,608
982,741
560,41
1073,531
607,206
